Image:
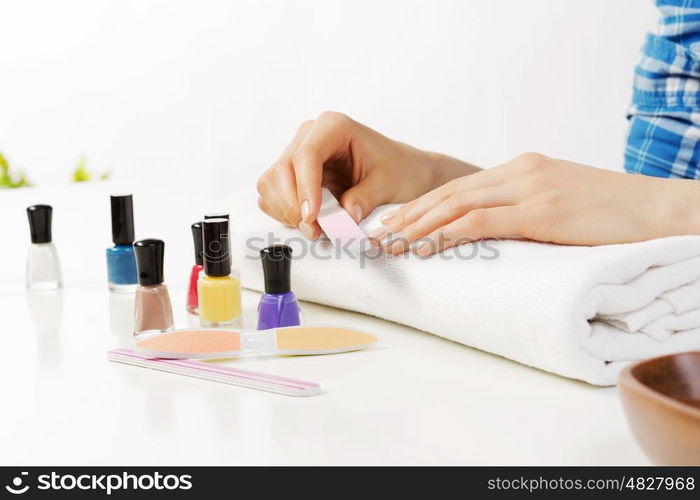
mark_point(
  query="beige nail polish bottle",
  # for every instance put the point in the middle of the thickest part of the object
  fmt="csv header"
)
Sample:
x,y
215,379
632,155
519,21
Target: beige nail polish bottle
x,y
153,310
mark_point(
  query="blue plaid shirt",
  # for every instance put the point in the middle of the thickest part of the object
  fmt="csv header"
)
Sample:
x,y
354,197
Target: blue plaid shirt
x,y
664,134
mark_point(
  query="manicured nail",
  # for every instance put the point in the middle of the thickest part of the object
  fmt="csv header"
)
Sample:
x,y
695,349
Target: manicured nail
x,y
376,233
388,216
305,209
357,210
422,249
306,230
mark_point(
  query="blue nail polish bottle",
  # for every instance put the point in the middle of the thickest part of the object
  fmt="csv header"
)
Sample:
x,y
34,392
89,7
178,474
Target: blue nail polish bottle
x,y
121,262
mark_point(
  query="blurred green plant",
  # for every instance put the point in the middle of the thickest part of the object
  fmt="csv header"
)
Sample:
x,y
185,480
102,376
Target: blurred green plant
x,y
84,174
10,179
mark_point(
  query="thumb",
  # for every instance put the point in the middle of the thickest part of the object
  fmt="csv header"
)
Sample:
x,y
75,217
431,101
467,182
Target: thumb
x,y
362,198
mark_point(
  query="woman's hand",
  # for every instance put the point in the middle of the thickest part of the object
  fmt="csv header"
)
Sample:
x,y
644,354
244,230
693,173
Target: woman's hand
x,y
544,199
360,166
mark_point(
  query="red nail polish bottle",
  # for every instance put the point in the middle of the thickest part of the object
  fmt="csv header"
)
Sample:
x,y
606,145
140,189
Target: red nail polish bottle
x,y
197,268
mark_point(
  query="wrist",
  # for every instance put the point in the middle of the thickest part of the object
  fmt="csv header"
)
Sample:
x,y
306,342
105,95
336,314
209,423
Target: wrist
x,y
682,203
444,168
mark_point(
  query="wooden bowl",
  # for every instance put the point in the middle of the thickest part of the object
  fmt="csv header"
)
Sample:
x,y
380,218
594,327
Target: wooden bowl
x,y
661,397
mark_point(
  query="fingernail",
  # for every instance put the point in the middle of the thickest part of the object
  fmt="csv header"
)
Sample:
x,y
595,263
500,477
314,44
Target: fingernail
x,y
306,230
357,209
388,216
422,249
305,209
376,233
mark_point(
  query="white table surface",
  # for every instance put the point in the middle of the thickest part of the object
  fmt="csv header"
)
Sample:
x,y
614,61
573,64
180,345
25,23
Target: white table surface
x,y
415,399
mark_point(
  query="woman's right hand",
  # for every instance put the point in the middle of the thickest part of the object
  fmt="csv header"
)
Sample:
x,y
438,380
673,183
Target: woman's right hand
x,y
358,165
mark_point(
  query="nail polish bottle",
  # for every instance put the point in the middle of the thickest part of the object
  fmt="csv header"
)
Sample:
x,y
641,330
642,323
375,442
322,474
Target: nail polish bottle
x,y
278,305
153,310
219,288
220,215
121,263
216,215
43,266
197,268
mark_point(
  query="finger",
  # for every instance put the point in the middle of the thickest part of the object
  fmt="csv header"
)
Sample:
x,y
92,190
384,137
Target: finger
x,y
365,196
412,211
269,179
280,196
451,209
265,207
269,199
327,138
311,231
497,222
283,202
288,214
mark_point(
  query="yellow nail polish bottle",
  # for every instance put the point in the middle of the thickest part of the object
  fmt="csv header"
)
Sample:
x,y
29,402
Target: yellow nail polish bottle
x,y
219,288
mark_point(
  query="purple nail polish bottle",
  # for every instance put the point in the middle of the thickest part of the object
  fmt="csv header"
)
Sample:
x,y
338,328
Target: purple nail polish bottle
x,y
278,305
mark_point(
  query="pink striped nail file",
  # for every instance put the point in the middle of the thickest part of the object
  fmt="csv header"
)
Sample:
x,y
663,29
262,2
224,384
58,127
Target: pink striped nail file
x,y
219,373
340,228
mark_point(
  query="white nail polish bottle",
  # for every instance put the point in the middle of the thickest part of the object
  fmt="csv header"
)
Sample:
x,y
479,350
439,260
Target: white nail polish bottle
x,y
43,266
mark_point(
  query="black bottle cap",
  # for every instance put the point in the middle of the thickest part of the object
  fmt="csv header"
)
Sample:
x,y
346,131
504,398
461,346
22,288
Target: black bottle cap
x,y
216,215
122,219
277,265
149,261
40,223
197,237
217,259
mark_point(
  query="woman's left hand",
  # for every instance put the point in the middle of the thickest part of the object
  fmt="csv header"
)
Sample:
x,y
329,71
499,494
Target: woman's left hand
x,y
540,198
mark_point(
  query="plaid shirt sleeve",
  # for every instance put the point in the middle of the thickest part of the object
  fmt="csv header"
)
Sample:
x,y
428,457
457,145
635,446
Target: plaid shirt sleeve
x,y
664,132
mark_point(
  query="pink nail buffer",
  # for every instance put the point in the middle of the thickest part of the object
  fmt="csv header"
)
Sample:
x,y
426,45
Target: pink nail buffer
x,y
339,226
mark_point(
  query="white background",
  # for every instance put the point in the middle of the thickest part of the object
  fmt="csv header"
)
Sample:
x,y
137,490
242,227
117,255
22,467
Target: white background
x,y
205,94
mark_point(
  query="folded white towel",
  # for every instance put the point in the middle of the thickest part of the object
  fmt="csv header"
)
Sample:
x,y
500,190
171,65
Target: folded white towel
x,y
581,312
